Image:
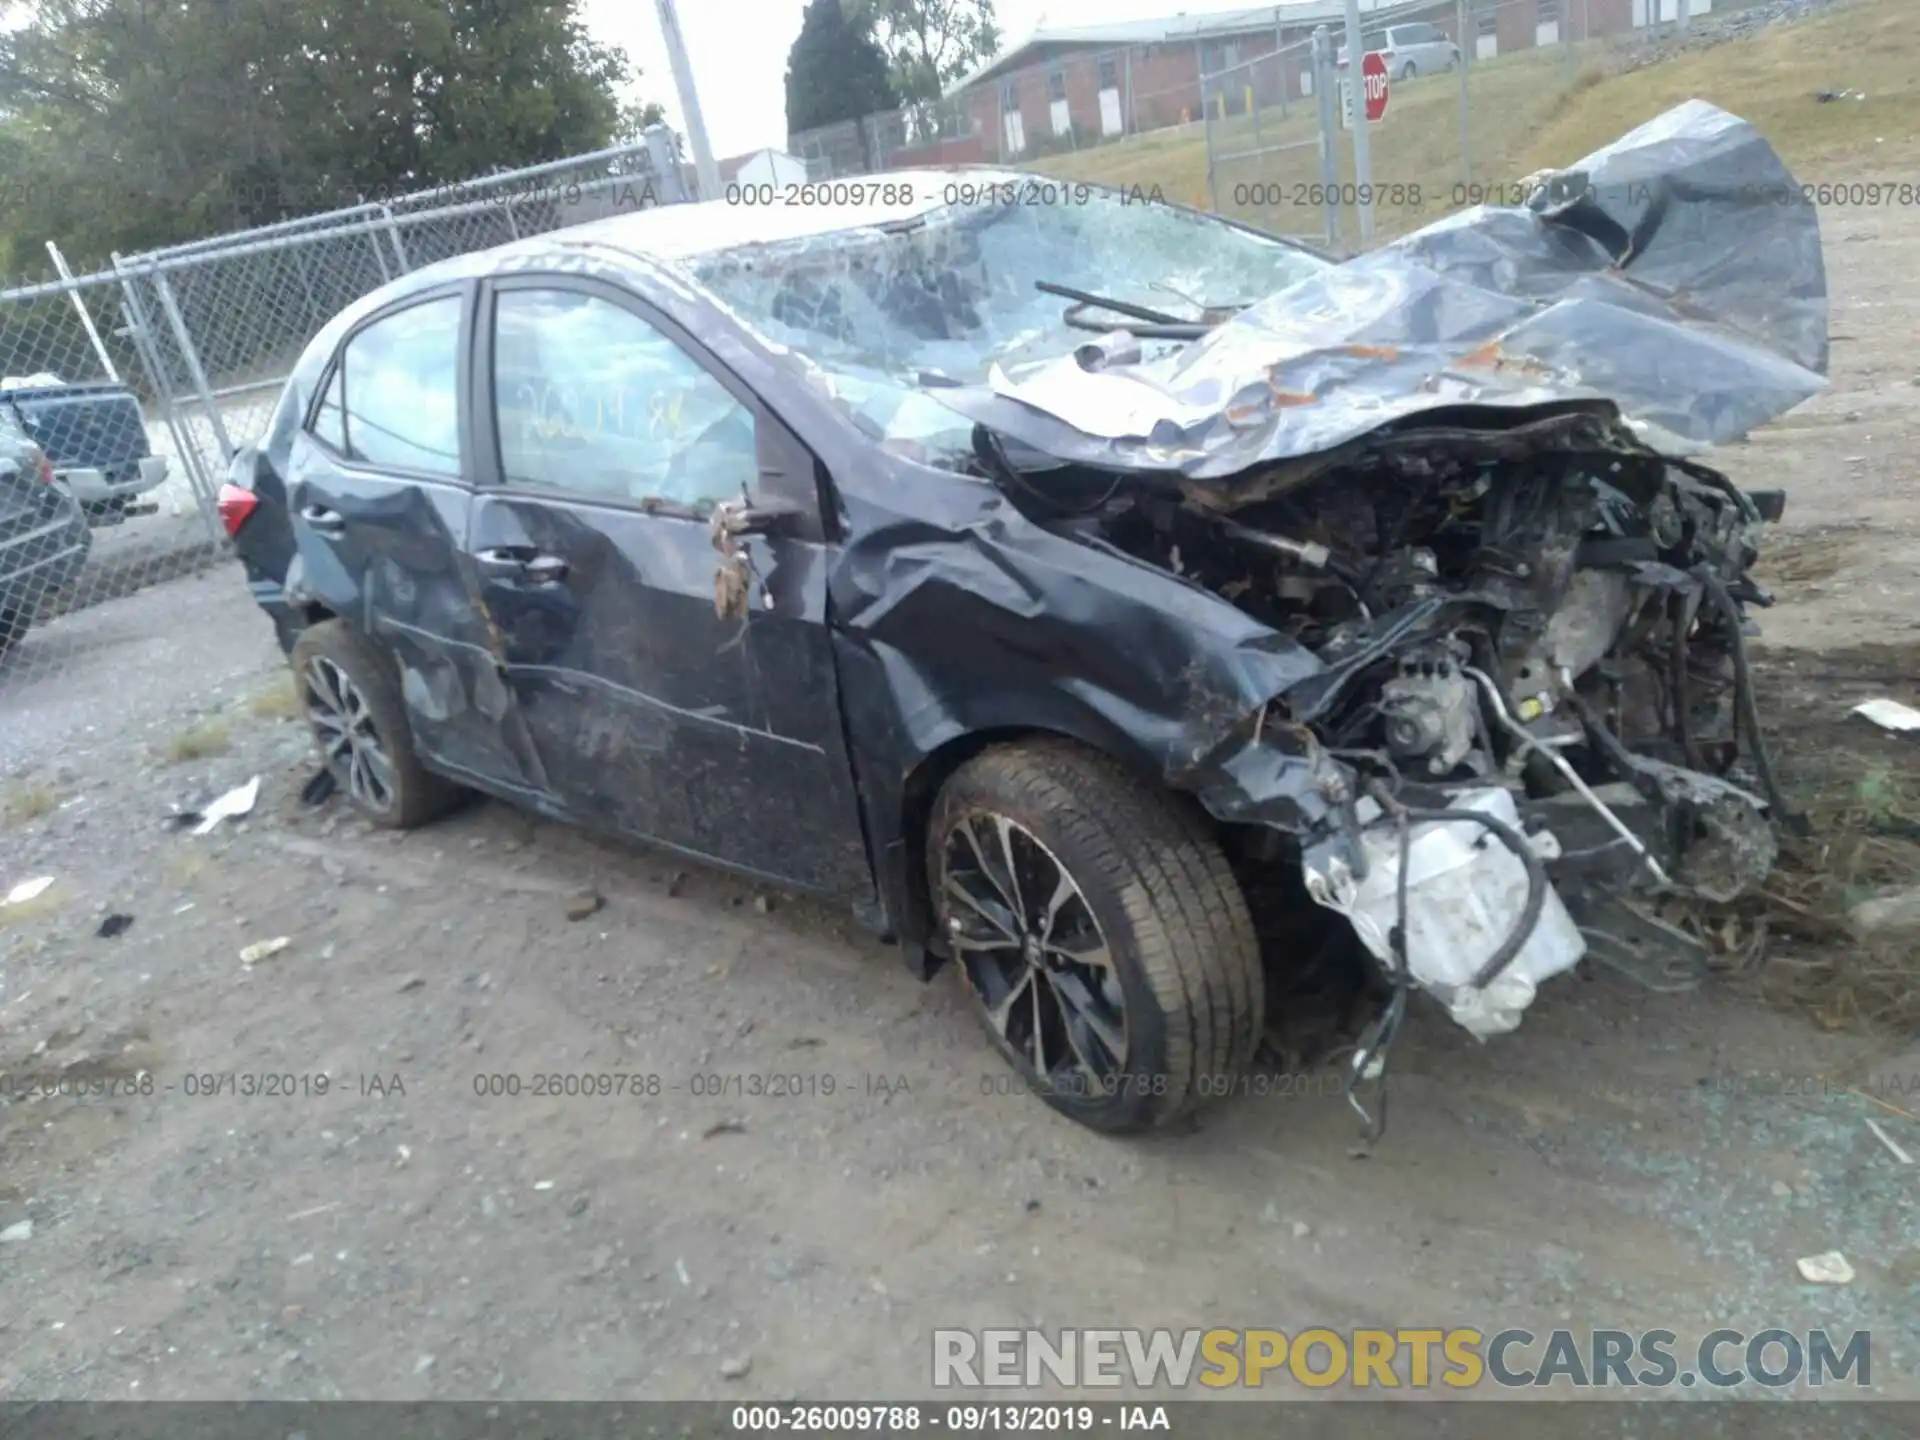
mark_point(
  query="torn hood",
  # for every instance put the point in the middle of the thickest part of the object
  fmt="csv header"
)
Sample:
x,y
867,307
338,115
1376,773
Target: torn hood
x,y
1676,273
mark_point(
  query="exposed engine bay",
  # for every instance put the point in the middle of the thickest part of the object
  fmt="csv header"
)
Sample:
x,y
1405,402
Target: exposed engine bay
x,y
1536,686
1453,471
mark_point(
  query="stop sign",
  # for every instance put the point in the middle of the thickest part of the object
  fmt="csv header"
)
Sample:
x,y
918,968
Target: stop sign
x,y
1373,84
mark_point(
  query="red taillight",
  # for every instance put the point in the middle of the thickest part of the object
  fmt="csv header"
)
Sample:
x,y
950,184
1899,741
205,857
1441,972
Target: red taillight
x,y
46,469
235,505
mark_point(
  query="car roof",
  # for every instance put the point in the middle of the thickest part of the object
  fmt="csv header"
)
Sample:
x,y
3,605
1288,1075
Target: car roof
x,y
669,235
672,234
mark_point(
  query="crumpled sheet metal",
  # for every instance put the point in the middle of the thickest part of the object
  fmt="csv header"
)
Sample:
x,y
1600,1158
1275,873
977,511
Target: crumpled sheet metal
x,y
1684,282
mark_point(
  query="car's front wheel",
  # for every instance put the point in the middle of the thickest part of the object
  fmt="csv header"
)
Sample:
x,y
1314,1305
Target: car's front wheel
x,y
350,690
1102,934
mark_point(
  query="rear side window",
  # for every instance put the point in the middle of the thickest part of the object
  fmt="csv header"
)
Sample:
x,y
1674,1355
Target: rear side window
x,y
594,401
394,397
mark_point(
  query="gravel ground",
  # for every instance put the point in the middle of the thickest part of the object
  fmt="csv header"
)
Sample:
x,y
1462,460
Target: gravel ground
x,y
1622,1160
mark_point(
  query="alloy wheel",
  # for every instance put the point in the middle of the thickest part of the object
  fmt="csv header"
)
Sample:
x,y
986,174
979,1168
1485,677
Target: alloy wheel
x,y
1034,953
352,747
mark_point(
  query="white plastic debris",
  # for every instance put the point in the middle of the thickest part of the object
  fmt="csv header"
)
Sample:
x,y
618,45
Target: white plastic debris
x,y
1894,1147
1465,892
1828,1269
237,801
261,949
15,1233
1889,714
27,890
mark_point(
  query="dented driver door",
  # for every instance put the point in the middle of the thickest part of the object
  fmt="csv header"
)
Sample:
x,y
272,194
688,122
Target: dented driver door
x,y
662,705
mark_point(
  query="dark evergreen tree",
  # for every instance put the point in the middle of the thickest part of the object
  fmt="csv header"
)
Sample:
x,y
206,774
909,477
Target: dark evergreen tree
x,y
835,70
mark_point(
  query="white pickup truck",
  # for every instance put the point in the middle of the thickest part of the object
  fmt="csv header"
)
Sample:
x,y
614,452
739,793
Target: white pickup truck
x,y
95,436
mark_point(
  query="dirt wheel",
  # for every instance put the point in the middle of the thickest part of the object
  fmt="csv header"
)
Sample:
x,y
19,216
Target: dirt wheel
x,y
351,692
1101,932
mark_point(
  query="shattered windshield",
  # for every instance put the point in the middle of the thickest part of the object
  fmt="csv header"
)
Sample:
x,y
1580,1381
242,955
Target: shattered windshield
x,y
888,315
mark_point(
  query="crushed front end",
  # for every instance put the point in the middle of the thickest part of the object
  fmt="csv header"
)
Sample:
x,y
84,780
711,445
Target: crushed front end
x,y
1535,703
1458,472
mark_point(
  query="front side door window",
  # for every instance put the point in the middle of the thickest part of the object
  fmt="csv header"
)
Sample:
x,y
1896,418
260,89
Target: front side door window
x,y
594,402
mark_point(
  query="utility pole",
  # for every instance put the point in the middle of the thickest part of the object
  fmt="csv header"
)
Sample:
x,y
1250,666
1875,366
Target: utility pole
x,y
676,44
1362,152
1467,44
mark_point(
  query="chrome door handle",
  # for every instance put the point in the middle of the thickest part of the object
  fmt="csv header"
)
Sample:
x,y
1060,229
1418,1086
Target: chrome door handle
x,y
323,520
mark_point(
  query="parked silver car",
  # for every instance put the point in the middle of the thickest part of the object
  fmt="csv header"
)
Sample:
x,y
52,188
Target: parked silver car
x,y
1410,50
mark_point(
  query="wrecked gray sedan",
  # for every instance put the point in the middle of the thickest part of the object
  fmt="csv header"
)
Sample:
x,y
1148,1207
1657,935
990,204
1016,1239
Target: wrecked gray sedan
x,y
1140,611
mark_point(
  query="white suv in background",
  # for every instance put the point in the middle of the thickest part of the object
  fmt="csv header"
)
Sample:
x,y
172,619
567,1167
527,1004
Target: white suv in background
x,y
1410,50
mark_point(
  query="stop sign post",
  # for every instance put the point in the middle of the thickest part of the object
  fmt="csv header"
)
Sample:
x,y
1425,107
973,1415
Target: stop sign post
x,y
1362,153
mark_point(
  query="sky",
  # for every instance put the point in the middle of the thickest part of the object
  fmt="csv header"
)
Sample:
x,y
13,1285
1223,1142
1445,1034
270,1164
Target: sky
x,y
739,52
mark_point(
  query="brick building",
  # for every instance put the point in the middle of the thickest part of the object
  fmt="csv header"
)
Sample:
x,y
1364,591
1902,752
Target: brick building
x,y
1065,87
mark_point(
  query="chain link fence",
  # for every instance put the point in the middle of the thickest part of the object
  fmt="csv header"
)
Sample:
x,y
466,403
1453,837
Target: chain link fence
x,y
1241,114
125,393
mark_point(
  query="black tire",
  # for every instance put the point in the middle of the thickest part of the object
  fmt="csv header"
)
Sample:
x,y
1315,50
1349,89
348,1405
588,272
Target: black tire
x,y
1170,919
413,794
103,513
1411,71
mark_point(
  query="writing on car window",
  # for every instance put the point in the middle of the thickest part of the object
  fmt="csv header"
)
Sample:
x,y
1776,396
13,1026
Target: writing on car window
x,y
594,401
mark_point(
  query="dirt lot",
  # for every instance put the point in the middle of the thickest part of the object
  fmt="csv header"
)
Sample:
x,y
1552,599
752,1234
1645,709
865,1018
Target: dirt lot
x,y
1624,1159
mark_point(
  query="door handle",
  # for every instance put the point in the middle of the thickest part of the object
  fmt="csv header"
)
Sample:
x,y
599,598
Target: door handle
x,y
323,520
500,562
522,564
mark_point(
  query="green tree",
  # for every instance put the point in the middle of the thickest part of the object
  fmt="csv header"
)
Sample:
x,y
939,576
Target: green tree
x,y
835,70
931,43
134,123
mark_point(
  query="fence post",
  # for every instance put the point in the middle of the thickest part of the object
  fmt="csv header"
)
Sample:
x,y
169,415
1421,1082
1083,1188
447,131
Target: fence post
x,y
1466,141
393,234
1206,136
1280,54
1128,126
142,336
192,357
663,159
1321,57
1362,141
